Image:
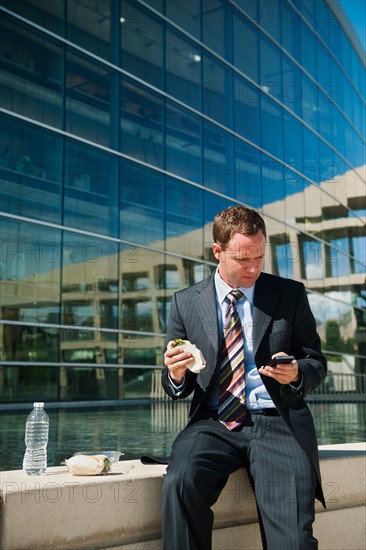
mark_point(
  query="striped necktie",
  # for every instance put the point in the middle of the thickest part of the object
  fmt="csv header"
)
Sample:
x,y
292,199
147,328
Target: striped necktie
x,y
232,410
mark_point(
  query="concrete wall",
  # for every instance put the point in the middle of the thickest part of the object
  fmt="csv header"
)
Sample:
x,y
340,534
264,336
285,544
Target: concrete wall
x,y
59,511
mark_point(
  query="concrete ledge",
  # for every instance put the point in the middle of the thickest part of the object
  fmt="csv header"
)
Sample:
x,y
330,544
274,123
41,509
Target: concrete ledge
x,y
123,510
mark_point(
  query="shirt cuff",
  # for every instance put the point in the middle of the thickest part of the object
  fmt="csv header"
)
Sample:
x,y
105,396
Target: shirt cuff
x,y
298,387
177,390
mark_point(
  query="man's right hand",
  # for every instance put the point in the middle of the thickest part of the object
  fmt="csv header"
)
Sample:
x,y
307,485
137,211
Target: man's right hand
x,y
176,360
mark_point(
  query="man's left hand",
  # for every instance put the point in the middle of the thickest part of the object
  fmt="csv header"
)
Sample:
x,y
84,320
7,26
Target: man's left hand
x,y
284,373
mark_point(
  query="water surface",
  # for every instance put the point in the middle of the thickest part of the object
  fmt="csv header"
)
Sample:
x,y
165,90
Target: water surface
x,y
143,428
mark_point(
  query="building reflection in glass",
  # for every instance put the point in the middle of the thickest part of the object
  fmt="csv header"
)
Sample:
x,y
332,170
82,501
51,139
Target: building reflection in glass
x,y
110,180
114,303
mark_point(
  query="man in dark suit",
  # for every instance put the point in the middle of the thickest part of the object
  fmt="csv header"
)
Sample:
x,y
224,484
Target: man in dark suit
x,y
267,425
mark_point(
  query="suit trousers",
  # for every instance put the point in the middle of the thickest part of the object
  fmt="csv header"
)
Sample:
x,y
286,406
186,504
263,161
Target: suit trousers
x,y
203,456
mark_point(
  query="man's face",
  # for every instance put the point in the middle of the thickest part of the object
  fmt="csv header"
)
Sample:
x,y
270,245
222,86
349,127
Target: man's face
x,y
241,263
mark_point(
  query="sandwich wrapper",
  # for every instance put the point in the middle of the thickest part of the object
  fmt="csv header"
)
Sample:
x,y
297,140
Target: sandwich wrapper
x,y
198,361
88,465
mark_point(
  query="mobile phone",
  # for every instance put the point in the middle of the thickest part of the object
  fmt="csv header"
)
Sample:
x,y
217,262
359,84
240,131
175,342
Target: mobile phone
x,y
280,359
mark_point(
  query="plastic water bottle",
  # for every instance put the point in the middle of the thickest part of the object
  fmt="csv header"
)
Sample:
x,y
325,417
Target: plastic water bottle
x,y
36,439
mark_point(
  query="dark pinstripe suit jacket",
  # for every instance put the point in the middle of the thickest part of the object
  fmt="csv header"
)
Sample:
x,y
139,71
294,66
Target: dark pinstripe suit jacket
x,y
282,321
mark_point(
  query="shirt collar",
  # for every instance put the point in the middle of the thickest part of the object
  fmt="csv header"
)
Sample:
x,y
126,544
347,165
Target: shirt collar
x,y
222,289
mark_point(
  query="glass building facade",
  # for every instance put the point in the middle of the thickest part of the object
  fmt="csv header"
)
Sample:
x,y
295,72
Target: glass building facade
x,y
125,126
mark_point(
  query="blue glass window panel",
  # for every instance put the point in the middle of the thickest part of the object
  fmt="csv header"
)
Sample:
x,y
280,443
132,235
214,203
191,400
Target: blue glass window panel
x,y
329,105
270,68
158,5
141,124
345,52
217,91
293,142
183,70
186,14
348,93
218,163
184,218
308,50
290,33
213,204
31,171
216,18
46,14
326,112
248,180
335,44
308,8
359,118
327,23
284,260
88,100
291,86
359,75
311,155
362,80
354,70
293,155
246,58
328,164
141,43
30,73
359,252
338,81
142,205
313,260
89,25
324,61
272,180
350,141
310,102
183,208
339,132
270,17
183,143
246,110
250,7
340,169
90,189
340,263
272,127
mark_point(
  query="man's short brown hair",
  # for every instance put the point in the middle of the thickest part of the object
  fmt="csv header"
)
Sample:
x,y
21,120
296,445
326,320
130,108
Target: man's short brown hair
x,y
236,219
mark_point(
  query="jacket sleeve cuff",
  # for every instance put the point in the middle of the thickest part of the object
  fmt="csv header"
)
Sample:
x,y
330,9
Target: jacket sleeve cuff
x,y
298,388
176,390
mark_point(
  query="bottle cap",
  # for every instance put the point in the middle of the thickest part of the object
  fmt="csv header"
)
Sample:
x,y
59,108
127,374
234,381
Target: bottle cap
x,y
39,405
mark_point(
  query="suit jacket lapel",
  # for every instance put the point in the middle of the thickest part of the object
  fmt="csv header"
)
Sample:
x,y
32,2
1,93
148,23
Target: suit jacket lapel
x,y
265,301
